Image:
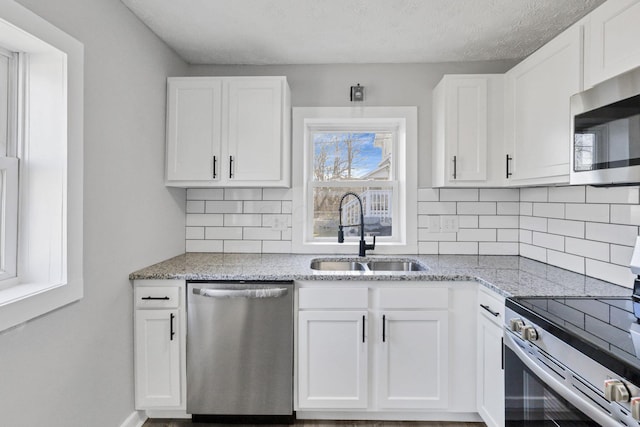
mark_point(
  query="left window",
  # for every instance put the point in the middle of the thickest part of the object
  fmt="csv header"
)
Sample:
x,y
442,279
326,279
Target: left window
x,y
41,152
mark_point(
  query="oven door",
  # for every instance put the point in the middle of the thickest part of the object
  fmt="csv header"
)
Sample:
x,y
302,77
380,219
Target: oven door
x,y
537,394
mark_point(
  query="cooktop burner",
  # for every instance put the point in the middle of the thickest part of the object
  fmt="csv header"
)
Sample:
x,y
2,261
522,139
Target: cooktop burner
x,y
604,328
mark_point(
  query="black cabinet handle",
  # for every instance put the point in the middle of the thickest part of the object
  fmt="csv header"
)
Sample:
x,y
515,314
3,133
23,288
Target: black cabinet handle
x,y
508,173
455,164
230,166
486,307
214,167
155,298
363,327
384,328
171,331
502,344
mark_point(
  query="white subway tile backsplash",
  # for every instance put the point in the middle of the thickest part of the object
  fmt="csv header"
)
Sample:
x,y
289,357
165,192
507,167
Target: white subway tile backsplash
x,y
223,233
458,194
204,220
620,255
468,221
428,195
205,194
425,235
286,234
497,248
271,220
566,228
503,221
276,247
203,245
462,248
508,208
194,233
477,208
436,208
534,194
242,220
549,241
525,236
243,194
499,195
587,248
277,194
548,210
477,235
620,275
423,221
533,252
428,248
612,233
587,212
533,223
263,207
566,261
613,195
573,194
195,206
625,214
526,208
287,207
259,233
508,235
242,246
222,207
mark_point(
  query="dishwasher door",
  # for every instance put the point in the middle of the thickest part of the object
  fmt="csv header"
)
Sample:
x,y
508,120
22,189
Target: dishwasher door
x,y
240,348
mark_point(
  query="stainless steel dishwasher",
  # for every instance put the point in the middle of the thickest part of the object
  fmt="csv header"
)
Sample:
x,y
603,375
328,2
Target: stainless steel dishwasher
x,y
240,350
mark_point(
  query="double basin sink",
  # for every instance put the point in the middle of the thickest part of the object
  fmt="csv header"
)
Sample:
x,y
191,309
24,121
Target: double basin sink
x,y
378,265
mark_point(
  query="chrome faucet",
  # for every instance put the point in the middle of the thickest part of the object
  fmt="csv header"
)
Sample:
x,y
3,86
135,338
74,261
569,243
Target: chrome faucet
x,y
363,245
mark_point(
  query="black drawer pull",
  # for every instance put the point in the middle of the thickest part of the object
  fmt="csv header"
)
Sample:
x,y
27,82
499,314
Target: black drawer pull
x,y
171,331
384,328
486,307
508,173
455,167
363,326
156,298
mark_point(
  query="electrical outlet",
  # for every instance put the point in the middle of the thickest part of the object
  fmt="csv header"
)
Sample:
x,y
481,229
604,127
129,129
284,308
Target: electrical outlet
x,y
279,223
449,224
434,224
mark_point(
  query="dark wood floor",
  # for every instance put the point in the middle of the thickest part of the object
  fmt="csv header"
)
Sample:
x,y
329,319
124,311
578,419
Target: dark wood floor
x,y
309,423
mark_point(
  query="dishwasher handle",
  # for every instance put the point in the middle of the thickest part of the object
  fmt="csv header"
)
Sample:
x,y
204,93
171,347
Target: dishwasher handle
x,y
242,293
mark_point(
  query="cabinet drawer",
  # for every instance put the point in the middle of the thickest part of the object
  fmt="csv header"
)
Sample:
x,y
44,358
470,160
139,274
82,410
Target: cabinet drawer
x,y
333,298
157,297
413,298
491,305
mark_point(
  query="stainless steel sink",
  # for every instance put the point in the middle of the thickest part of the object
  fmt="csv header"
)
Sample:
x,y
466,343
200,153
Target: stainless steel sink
x,y
338,265
372,265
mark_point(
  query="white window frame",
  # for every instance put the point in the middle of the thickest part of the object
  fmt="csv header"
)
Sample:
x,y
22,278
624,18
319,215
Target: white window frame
x,y
49,253
403,122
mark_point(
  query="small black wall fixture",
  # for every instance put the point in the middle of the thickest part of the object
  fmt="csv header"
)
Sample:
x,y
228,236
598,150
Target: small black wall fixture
x,y
357,93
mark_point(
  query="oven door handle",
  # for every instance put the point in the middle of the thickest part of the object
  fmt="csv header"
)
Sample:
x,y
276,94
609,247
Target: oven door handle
x,y
557,386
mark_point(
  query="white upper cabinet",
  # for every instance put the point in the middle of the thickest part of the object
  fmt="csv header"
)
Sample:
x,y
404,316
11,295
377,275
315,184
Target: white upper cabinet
x,y
228,132
537,113
612,40
467,131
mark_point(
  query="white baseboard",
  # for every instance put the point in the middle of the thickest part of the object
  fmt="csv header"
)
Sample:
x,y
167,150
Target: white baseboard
x,y
136,419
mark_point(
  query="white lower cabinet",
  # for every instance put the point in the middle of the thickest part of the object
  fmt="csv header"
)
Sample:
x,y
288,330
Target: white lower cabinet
x,y
383,347
159,345
490,381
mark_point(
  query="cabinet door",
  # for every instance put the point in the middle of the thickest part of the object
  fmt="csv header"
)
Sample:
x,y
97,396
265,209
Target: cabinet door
x,y
413,368
490,383
613,46
194,129
538,119
332,359
255,130
157,358
466,129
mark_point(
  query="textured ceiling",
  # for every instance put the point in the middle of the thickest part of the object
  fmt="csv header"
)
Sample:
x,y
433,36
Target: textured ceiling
x,y
356,31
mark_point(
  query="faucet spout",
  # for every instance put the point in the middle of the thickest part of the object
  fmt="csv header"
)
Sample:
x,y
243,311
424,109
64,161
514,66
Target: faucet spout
x,y
364,246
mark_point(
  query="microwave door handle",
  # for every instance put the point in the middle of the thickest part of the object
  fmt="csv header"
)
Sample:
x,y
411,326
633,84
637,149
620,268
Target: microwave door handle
x,y
242,293
557,386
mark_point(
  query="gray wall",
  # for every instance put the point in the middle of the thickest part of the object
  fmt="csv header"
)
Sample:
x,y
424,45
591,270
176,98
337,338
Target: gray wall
x,y
74,367
386,85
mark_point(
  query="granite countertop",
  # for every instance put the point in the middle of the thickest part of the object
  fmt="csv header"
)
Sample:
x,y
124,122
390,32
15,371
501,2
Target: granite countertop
x,y
507,275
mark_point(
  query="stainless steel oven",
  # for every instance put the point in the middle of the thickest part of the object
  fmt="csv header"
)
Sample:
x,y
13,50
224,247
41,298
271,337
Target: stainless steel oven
x,y
563,366
606,132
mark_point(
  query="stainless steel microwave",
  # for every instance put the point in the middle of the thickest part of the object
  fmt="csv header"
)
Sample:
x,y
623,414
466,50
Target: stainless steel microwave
x,y
606,132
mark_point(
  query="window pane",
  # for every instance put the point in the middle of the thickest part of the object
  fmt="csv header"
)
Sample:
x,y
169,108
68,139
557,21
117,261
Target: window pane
x,y
352,155
377,209
4,103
